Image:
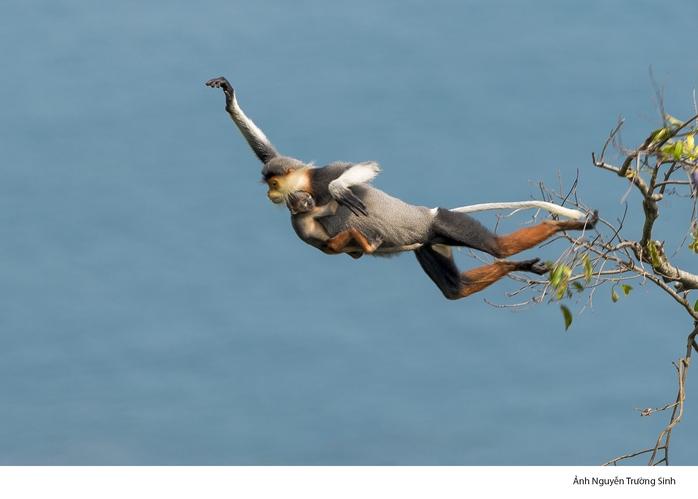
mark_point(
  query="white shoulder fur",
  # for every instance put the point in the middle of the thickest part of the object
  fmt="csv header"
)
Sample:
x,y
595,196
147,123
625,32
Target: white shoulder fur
x,y
357,174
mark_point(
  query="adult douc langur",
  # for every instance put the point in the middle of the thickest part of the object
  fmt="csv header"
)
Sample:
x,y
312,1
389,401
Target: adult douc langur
x,y
336,210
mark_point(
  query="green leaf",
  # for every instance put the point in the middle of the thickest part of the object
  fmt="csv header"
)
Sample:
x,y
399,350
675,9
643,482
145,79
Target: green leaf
x,y
559,277
556,277
669,147
659,135
578,286
693,246
567,315
654,253
626,289
614,295
588,267
678,150
695,306
673,120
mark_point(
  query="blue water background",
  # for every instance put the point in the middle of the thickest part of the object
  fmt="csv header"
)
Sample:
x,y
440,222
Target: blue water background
x,y
155,308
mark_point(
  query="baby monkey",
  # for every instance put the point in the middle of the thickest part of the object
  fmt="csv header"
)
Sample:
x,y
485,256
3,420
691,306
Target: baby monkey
x,y
304,213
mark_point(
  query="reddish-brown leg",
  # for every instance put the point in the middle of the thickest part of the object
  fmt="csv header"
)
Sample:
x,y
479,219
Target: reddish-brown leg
x,y
338,243
478,279
523,239
441,268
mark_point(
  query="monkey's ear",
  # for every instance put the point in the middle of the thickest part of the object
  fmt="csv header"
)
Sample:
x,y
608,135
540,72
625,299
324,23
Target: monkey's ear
x,y
290,170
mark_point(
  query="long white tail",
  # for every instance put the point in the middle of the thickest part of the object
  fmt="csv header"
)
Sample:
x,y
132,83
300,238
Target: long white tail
x,y
521,205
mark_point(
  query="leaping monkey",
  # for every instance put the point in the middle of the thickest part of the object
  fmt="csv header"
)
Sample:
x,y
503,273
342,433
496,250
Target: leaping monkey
x,y
335,209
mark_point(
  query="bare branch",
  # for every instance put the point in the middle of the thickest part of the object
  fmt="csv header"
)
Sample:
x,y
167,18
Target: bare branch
x,y
607,257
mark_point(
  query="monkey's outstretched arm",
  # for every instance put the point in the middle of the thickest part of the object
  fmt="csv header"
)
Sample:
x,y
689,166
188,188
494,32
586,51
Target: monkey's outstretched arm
x,y
520,205
256,139
357,174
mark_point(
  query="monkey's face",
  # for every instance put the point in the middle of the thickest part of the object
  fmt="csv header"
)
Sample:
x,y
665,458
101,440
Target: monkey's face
x,y
274,193
282,186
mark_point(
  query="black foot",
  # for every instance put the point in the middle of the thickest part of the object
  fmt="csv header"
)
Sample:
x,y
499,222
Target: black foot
x,y
533,265
591,223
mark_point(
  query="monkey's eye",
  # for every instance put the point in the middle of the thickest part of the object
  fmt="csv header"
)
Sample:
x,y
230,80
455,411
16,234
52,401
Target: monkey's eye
x,y
273,184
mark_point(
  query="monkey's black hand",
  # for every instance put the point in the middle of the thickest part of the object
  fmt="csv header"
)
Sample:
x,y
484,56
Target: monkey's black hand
x,y
222,83
345,197
533,265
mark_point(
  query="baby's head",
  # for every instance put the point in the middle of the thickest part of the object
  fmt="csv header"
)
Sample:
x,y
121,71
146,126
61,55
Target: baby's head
x,y
300,202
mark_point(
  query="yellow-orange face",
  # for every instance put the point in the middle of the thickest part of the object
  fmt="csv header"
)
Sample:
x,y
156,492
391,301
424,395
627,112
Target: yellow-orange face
x,y
275,185
281,186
